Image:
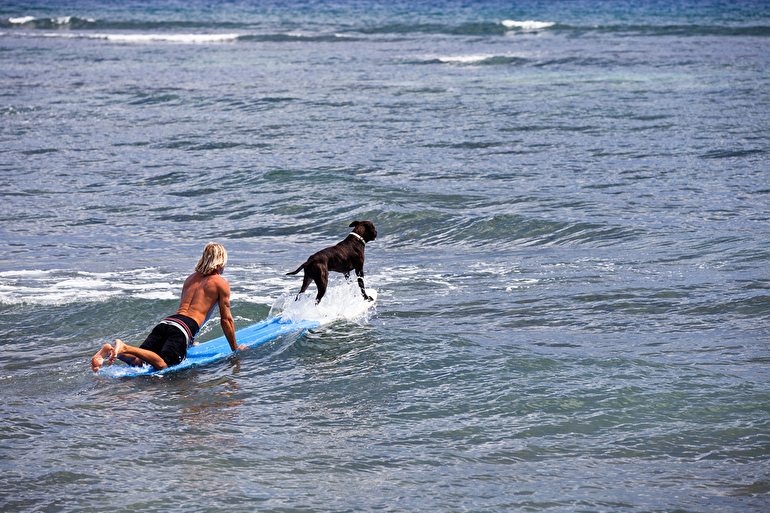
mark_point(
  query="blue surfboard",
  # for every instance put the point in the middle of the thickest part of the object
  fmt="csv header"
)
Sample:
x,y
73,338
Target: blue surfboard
x,y
218,348
254,335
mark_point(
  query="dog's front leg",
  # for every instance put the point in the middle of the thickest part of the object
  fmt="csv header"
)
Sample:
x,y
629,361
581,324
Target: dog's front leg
x,y
360,274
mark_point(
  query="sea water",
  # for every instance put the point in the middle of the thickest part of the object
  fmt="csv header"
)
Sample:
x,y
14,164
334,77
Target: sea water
x,y
573,205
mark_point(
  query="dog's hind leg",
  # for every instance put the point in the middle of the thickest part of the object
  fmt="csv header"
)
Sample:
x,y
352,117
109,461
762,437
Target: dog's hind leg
x,y
321,281
305,284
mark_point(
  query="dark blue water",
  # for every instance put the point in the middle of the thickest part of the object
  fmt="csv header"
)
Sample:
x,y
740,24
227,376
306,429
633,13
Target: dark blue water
x,y
572,201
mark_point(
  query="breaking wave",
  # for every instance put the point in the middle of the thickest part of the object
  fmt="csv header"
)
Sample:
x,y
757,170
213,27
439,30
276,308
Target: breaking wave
x,y
528,25
209,31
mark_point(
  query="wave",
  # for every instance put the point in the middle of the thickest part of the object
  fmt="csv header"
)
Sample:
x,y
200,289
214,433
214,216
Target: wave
x,y
298,37
527,25
507,27
474,60
60,22
189,38
678,30
152,38
462,29
57,287
21,21
74,22
500,230
249,31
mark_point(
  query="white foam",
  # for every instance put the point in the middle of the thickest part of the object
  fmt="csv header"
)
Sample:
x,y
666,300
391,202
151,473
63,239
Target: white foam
x,y
527,25
256,299
341,301
57,287
147,38
162,295
62,287
61,20
466,59
22,20
521,284
27,273
168,38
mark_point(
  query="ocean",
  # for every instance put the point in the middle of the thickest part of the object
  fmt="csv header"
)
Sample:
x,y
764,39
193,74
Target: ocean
x,y
573,260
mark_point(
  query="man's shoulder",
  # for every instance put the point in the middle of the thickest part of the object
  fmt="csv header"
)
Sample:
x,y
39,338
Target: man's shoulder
x,y
217,281
207,279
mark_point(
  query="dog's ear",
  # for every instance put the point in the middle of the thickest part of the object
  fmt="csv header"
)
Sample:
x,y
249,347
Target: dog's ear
x,y
354,224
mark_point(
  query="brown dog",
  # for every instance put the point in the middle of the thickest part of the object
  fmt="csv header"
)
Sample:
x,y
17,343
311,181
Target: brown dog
x,y
346,256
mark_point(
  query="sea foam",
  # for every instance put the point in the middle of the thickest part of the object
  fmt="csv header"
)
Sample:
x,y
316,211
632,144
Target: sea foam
x,y
169,38
527,25
144,38
343,300
53,22
466,59
156,38
22,20
60,287
476,59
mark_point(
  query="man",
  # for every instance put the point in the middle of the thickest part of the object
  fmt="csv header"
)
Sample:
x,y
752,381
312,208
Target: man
x,y
167,344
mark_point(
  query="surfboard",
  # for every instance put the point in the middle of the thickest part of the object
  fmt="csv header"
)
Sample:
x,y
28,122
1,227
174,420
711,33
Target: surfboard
x,y
295,316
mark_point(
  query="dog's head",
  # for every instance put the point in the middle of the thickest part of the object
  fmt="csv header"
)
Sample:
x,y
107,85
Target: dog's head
x,y
365,229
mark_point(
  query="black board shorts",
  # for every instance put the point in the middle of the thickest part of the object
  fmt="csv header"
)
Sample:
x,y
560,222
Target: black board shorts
x,y
168,342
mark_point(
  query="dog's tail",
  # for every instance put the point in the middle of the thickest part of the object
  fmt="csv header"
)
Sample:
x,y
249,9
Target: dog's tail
x,y
298,270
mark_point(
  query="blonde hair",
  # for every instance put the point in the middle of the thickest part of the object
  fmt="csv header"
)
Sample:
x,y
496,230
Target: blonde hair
x,y
214,256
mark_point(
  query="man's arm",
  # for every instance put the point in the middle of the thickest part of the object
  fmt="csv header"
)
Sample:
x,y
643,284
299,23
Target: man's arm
x,y
228,326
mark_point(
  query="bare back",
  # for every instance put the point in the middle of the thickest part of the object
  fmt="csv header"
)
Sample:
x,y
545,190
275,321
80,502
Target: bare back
x,y
201,294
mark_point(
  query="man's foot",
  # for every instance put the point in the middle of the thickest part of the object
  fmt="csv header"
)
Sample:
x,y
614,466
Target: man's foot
x,y
99,357
115,352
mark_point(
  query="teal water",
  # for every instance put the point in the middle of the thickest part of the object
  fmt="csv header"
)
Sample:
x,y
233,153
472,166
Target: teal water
x,y
572,202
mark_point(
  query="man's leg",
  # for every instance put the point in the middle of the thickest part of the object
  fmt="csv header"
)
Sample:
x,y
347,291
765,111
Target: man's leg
x,y
133,361
122,349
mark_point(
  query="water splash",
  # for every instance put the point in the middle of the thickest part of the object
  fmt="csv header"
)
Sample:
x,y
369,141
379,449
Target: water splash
x,y
343,300
527,25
